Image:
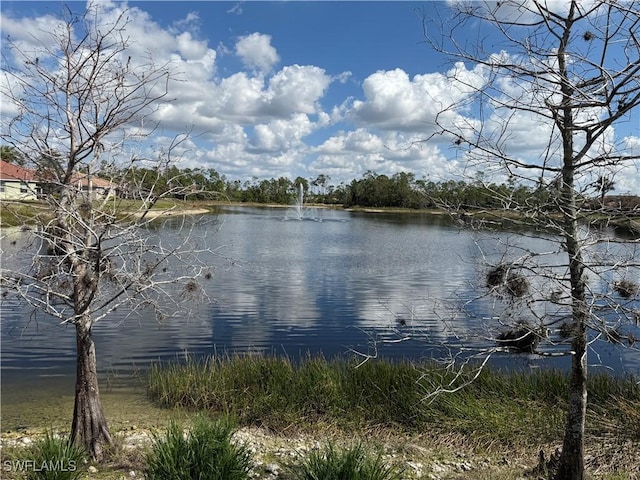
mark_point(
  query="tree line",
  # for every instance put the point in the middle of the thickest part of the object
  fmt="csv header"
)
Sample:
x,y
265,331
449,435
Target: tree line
x,y
373,190
400,190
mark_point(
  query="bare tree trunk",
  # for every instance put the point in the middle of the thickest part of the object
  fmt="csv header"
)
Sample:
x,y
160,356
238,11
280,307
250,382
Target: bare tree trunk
x,y
89,427
571,465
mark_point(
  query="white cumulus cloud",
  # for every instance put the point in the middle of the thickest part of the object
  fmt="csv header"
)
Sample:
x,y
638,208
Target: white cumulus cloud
x,y
255,51
282,134
393,101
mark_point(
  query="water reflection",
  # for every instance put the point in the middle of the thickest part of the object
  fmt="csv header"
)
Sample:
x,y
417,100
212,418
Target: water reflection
x,y
293,287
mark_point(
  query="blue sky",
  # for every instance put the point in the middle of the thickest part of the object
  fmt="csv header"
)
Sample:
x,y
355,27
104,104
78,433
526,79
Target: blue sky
x,y
297,88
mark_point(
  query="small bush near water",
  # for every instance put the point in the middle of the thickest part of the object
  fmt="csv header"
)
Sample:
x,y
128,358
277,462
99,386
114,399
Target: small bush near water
x,y
205,451
353,463
53,458
497,408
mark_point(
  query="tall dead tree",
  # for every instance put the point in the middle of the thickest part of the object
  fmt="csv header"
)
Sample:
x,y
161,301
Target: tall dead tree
x,y
544,87
75,98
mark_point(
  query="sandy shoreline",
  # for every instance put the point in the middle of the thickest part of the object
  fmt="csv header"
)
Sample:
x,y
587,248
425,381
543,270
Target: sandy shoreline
x,y
169,213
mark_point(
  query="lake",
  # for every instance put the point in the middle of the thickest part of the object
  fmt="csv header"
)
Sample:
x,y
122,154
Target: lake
x,y
336,283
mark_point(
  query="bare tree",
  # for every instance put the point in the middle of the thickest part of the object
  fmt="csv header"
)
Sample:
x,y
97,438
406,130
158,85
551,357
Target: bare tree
x,y
568,72
80,96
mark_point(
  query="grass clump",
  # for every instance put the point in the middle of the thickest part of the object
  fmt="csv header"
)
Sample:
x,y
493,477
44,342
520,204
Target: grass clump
x,y
274,392
205,451
54,458
520,408
353,463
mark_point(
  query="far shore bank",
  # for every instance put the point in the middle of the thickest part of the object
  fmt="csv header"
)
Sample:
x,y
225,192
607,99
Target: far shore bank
x,y
15,213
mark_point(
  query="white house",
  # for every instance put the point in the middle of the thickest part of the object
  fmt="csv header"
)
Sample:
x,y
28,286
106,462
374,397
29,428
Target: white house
x,y
17,183
95,187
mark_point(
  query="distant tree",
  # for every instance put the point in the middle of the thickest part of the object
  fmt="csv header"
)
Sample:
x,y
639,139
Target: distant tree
x,y
81,98
321,182
572,69
49,166
136,181
301,181
281,191
402,189
10,154
603,185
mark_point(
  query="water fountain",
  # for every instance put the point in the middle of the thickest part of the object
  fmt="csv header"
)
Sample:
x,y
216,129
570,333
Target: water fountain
x,y
299,211
299,208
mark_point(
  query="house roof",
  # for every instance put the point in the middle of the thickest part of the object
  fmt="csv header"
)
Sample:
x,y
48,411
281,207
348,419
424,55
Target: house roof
x,y
97,182
9,171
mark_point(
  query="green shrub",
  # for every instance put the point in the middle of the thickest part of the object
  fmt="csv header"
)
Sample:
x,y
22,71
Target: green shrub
x,y
353,463
55,459
204,452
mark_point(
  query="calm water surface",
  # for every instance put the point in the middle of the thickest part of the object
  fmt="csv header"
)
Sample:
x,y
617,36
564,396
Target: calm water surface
x,y
335,283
